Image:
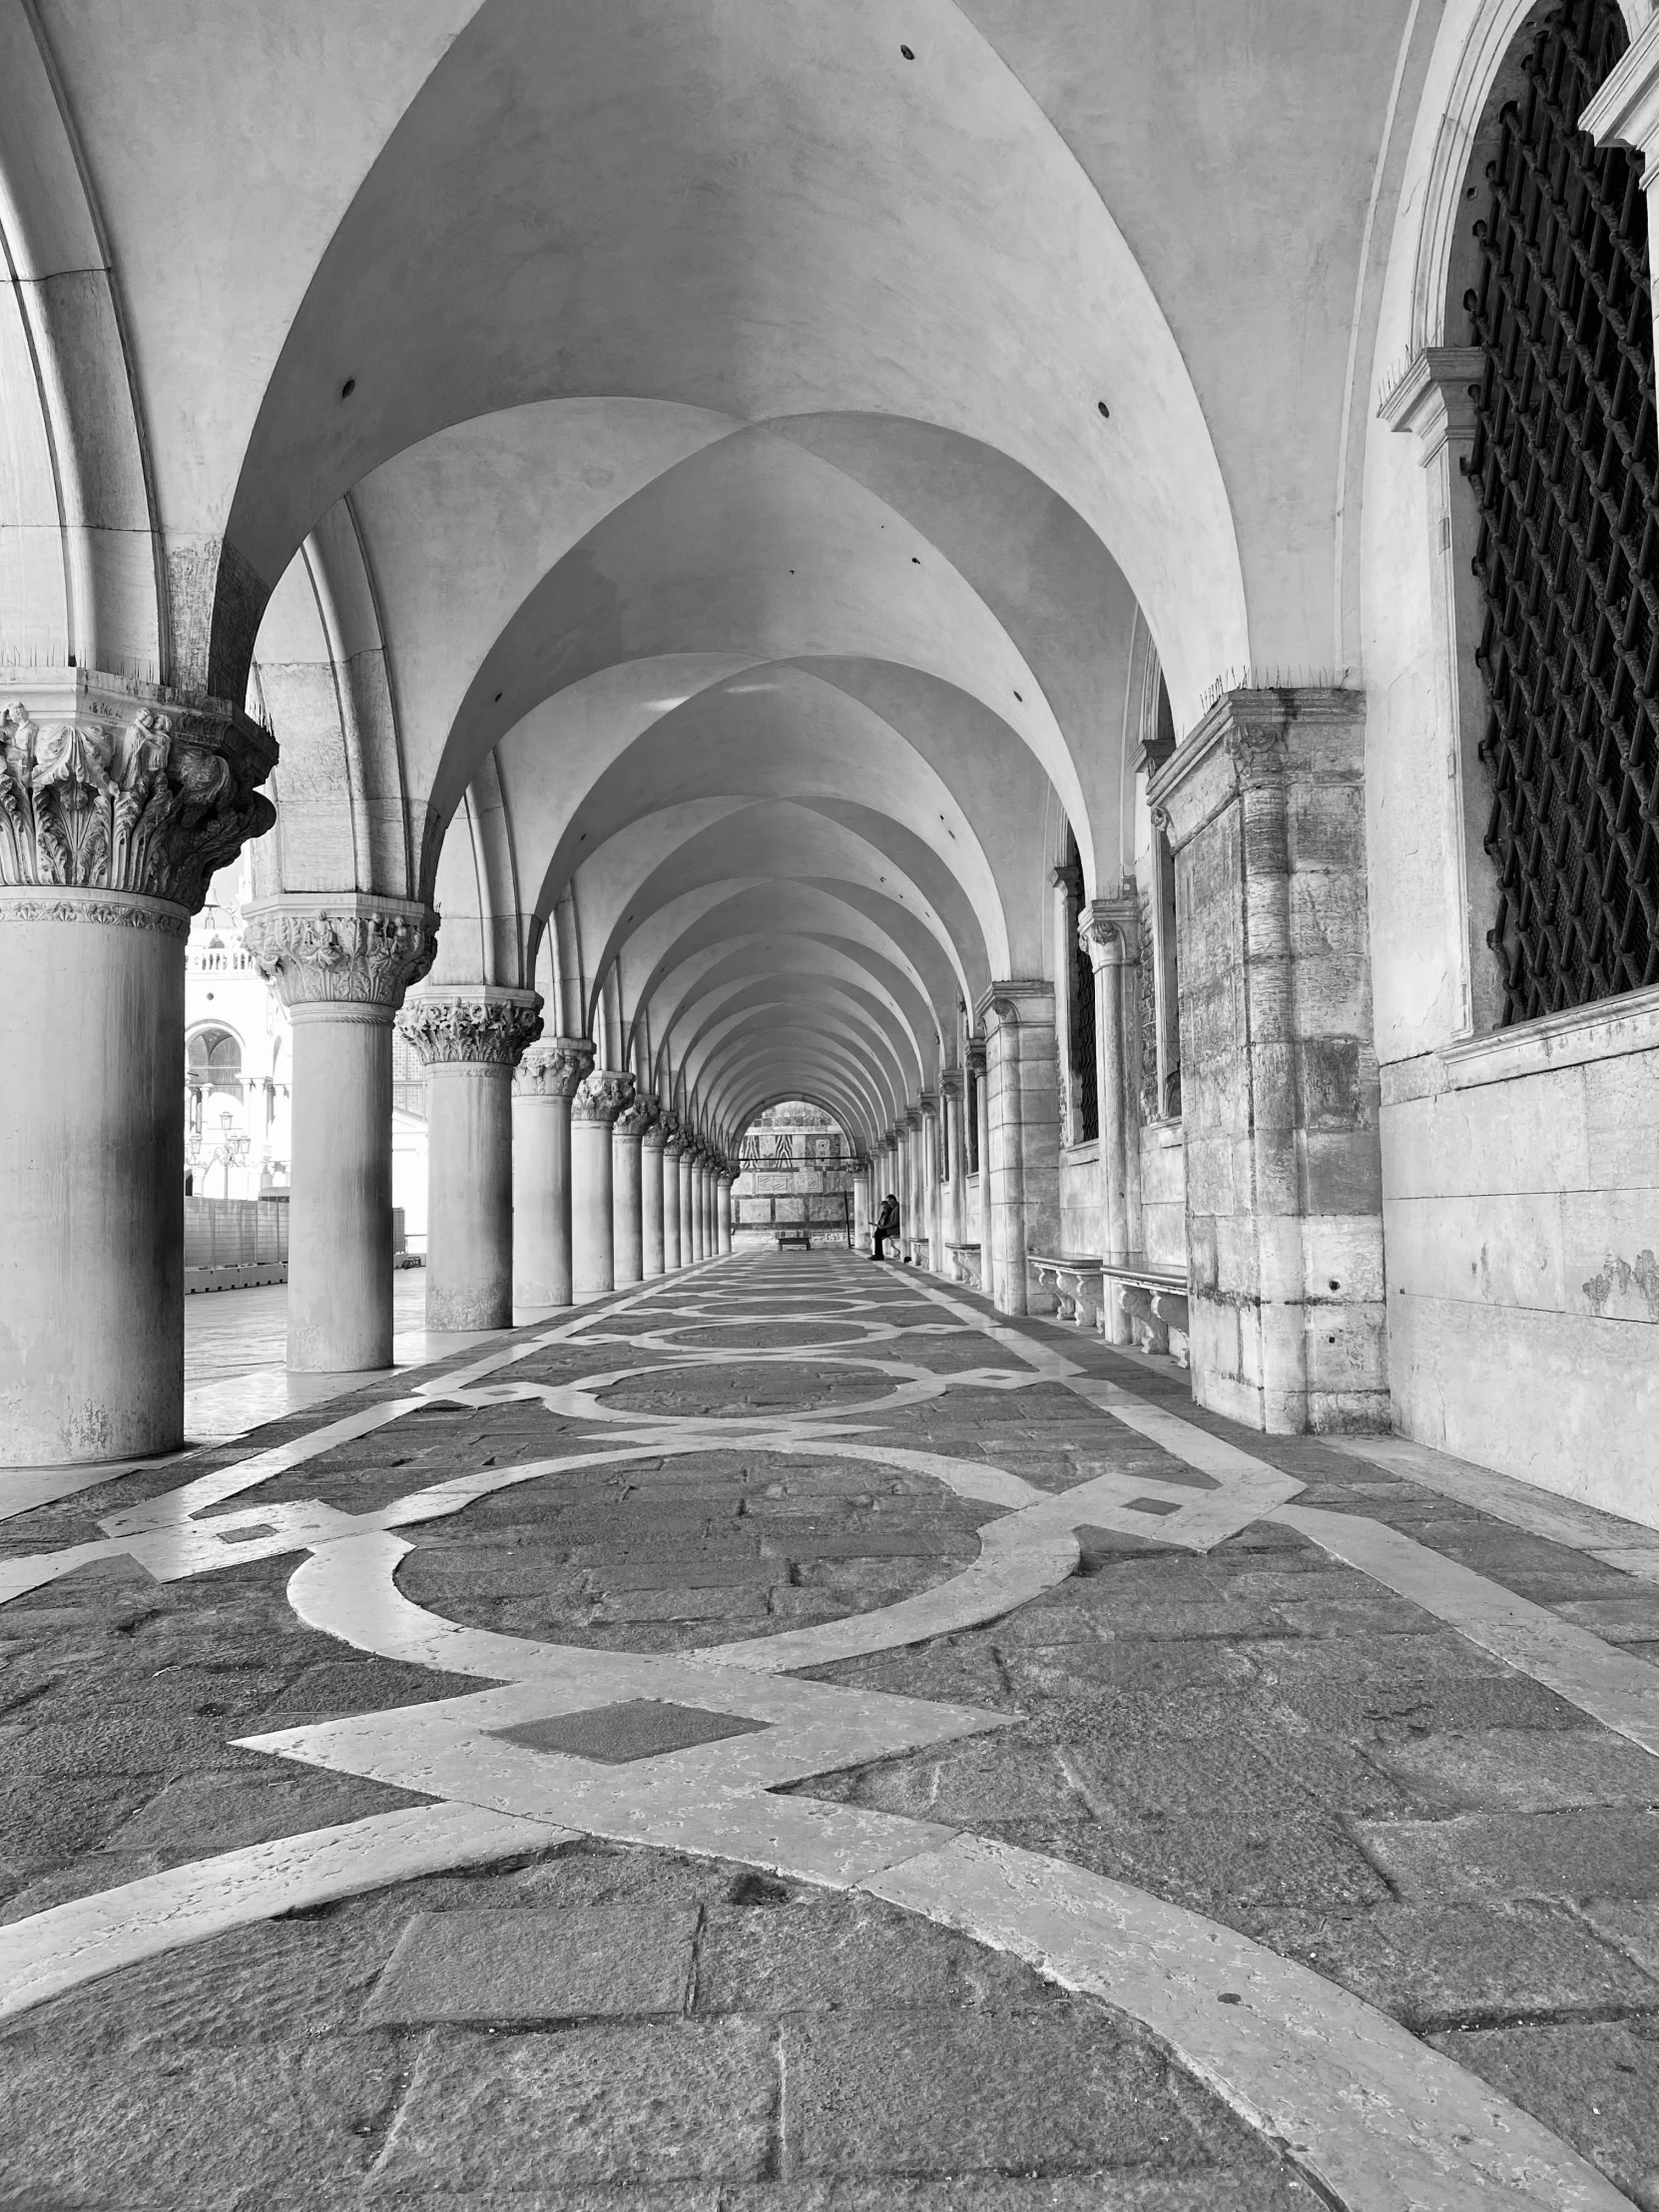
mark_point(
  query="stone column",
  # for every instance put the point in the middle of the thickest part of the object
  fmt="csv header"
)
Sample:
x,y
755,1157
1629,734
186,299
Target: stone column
x,y
728,1176
951,1088
976,1059
1109,932
628,1191
673,1144
1265,806
688,1225
602,1096
470,1043
652,1141
341,964
861,1202
1023,1109
910,1197
115,807
543,1088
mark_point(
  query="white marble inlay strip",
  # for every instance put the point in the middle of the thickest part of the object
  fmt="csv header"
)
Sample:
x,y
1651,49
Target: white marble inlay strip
x,y
1613,1688
55,1951
1385,2122
1560,1520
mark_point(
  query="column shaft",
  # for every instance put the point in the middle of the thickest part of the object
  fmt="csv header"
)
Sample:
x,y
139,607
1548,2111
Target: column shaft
x,y
687,1228
543,1087
983,1228
339,1216
628,1195
652,1260
671,1260
469,1201
470,1040
92,1179
591,1206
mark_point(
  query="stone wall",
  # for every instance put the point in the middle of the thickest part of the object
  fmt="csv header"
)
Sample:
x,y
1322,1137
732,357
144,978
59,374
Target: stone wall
x,y
1080,1209
1164,1193
1521,1212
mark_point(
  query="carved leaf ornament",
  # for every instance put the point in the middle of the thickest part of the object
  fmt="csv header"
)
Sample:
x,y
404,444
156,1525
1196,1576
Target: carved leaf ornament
x,y
121,805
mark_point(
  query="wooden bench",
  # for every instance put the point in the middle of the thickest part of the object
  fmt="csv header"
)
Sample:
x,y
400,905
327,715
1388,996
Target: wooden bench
x,y
1132,1300
965,1264
801,1236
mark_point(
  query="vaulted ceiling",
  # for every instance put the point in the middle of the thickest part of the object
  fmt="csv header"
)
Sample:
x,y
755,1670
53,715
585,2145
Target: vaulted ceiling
x,y
707,492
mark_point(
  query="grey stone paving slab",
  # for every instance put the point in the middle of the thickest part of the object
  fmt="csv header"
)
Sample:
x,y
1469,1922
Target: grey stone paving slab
x,y
1209,2190
1529,1769
1631,1923
204,1813
1608,1852
1596,2085
250,2130
1445,1965
582,1962
278,1982
649,2103
853,1957
722,1603
1000,2093
46,1819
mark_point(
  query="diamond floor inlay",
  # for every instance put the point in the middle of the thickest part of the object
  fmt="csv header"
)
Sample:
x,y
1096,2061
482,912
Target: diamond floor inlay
x,y
616,1734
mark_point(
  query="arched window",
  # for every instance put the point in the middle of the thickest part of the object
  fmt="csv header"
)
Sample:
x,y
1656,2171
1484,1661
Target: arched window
x,y
1564,467
213,1060
1080,1033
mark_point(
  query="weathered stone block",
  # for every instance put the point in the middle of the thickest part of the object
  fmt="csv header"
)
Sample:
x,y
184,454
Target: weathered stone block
x,y
1343,1173
530,1966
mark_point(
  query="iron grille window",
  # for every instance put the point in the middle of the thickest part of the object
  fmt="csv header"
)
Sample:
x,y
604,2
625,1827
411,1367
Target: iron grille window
x,y
1563,465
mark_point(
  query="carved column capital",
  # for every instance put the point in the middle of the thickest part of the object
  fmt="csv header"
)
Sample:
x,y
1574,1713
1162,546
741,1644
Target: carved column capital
x,y
675,1138
553,1067
975,1058
654,1134
913,1118
602,1095
481,1027
340,948
637,1118
952,1084
1109,932
124,788
929,1105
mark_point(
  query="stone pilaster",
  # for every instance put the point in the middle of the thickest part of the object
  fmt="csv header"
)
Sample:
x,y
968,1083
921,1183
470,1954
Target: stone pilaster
x,y
544,1083
116,804
1108,930
1264,809
340,963
469,1041
1024,1114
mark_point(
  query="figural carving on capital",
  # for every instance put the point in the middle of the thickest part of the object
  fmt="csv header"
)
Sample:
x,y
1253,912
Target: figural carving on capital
x,y
101,792
601,1096
352,951
1108,930
635,1118
674,1136
553,1068
975,1057
460,1029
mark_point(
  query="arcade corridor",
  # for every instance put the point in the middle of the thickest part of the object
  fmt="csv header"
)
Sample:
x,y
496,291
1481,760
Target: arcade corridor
x,y
788,1736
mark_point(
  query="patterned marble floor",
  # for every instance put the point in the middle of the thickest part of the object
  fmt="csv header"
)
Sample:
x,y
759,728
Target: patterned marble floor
x,y
787,1738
